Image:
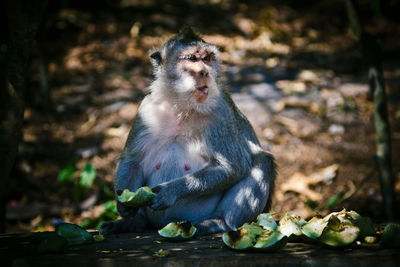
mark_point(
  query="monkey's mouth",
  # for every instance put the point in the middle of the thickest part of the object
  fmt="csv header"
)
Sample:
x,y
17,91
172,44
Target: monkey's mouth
x,y
201,94
203,90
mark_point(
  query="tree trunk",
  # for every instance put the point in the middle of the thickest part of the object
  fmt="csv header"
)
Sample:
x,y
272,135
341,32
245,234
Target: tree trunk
x,y
383,149
23,19
372,54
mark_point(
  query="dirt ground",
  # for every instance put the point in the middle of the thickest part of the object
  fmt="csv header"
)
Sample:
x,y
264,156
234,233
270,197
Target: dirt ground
x,y
292,68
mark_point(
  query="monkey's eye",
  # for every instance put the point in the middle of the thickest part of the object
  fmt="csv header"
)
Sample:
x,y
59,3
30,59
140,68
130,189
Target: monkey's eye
x,y
207,58
192,58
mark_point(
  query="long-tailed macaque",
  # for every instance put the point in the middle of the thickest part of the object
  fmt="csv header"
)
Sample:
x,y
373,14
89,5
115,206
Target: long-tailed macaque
x,y
193,147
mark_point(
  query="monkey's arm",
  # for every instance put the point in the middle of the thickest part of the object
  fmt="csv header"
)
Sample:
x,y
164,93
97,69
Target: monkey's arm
x,y
212,178
229,162
129,174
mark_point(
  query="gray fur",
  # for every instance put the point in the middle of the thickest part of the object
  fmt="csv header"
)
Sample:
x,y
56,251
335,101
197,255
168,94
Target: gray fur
x,y
230,177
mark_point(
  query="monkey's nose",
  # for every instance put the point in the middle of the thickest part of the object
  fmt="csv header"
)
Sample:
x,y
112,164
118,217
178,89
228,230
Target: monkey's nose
x,y
203,73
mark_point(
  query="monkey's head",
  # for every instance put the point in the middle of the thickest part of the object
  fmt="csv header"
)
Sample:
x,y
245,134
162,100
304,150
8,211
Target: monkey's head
x,y
186,70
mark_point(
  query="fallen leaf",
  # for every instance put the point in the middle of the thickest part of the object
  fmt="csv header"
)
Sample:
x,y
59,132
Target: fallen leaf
x,y
301,183
161,253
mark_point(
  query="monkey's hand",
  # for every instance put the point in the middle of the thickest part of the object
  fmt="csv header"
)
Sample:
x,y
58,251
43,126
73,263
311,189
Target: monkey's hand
x,y
165,197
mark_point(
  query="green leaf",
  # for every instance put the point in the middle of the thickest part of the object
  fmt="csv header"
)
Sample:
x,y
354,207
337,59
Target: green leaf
x,y
290,224
311,204
140,198
338,234
88,174
67,173
334,200
179,230
74,234
267,221
110,213
108,192
391,236
110,208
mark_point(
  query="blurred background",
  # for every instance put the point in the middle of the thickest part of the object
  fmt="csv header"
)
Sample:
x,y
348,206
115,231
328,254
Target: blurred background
x,y
292,67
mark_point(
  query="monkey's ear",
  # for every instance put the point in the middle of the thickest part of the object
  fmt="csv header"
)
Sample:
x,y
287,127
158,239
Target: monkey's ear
x,y
156,58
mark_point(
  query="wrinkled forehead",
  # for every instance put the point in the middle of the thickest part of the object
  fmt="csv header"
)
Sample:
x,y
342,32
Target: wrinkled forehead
x,y
177,49
196,50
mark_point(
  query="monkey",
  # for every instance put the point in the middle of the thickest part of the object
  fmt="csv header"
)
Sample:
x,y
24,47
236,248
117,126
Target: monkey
x,y
194,148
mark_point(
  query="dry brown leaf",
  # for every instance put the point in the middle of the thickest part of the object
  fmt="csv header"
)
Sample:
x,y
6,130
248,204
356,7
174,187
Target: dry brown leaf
x,y
300,183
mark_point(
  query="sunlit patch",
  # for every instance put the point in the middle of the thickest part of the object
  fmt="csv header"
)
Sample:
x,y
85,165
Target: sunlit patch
x,y
192,182
246,196
184,84
257,173
258,176
224,162
194,147
254,148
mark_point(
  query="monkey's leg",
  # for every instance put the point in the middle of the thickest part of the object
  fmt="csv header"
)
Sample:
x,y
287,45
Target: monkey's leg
x,y
214,225
126,211
138,223
245,200
242,203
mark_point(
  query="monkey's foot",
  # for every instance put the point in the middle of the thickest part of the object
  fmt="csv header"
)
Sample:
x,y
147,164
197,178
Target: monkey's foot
x,y
107,228
210,226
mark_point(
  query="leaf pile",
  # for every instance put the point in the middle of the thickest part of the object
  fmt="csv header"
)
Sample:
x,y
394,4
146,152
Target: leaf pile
x,y
337,229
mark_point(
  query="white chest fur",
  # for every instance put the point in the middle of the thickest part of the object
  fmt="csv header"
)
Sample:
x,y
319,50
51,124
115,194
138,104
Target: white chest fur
x,y
173,147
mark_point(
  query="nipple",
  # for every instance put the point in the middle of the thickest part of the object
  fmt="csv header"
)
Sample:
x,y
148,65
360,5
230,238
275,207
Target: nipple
x,y
187,167
158,165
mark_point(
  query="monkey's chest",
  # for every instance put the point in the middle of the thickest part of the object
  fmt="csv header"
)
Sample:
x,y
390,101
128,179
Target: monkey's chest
x,y
171,161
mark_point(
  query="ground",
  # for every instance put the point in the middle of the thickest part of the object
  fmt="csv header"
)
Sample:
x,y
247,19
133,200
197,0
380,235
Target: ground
x,y
292,68
139,250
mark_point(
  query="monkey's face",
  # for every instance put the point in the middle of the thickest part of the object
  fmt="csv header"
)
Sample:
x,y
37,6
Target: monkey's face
x,y
191,74
195,66
195,76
